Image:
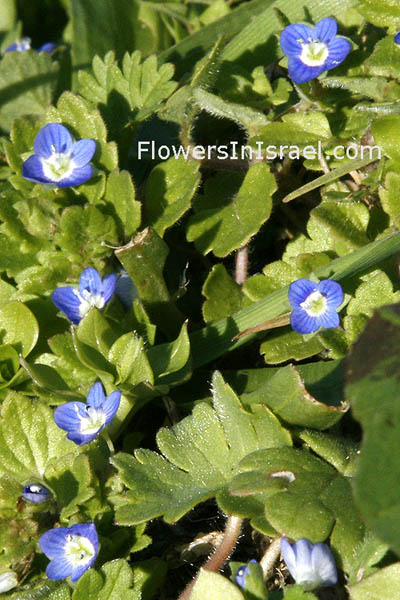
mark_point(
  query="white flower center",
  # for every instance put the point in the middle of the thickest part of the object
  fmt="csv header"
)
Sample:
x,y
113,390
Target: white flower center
x,y
78,549
94,420
87,300
58,165
315,304
314,53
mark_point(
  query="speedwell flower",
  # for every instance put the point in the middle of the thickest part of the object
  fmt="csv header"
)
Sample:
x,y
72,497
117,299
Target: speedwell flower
x,y
125,289
58,160
84,421
36,493
314,304
397,38
313,50
19,45
25,44
92,291
72,550
242,573
310,565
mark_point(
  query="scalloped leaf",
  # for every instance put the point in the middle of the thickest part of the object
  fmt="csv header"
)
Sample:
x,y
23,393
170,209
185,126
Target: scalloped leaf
x,y
200,455
29,437
222,223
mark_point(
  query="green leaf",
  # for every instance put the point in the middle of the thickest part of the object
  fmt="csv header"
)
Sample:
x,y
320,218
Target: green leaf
x,y
169,190
224,296
120,198
314,501
29,438
201,455
95,331
296,592
383,585
112,583
255,588
18,327
300,129
82,231
384,61
285,344
71,479
372,380
390,198
384,14
47,590
370,87
170,358
386,132
248,118
128,356
27,84
144,259
215,586
98,28
149,576
224,224
285,394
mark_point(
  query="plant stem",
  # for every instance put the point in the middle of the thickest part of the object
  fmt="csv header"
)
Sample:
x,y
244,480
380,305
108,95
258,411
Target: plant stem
x,y
241,265
221,554
270,557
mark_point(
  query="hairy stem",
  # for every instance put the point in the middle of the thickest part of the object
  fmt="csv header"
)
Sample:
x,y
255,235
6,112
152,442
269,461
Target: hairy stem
x,y
270,557
221,554
241,265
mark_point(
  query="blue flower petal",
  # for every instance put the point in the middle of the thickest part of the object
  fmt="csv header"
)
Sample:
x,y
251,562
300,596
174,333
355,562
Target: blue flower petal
x,y
109,283
90,281
52,542
59,569
66,416
32,170
302,550
83,438
291,36
333,292
288,555
326,30
299,290
77,177
53,138
12,48
67,300
302,323
96,396
330,319
301,73
324,564
111,405
82,152
397,38
126,289
338,51
48,47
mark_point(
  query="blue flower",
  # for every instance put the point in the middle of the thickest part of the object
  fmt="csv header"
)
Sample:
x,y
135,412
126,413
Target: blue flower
x,y
58,160
314,304
126,290
25,44
84,421
36,493
72,550
397,38
19,45
313,50
310,565
242,573
93,291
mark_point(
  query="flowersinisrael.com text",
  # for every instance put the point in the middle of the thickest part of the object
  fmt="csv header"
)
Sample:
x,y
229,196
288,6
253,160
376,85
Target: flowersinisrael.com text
x,y
235,151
